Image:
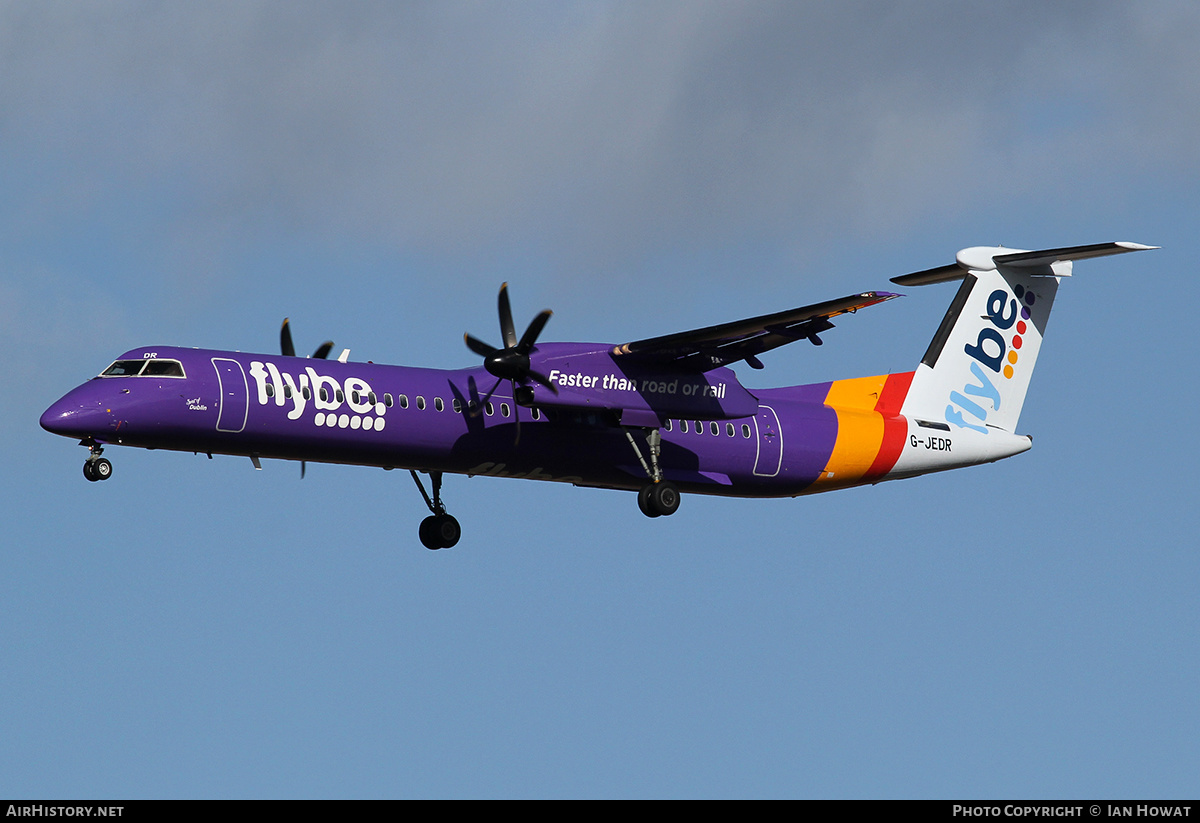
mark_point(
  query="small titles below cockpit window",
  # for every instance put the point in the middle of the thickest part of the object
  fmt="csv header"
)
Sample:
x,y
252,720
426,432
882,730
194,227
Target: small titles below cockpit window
x,y
144,368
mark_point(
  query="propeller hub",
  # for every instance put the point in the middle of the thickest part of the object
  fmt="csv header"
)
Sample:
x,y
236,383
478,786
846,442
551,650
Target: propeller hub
x,y
507,364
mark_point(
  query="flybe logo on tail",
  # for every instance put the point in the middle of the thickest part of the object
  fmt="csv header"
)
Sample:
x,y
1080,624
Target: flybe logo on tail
x,y
997,348
326,394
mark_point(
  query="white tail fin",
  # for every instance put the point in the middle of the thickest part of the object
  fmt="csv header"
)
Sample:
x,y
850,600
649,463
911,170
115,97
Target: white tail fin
x,y
976,371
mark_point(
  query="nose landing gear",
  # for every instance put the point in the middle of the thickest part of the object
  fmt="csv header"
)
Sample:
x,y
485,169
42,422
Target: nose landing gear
x,y
96,467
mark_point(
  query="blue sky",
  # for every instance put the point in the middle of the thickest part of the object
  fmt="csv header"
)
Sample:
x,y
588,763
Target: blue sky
x,y
172,174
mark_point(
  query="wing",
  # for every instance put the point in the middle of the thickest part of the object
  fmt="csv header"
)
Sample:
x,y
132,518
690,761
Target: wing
x,y
715,346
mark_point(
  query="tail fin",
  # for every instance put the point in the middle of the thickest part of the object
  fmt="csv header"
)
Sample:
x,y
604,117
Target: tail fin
x,y
976,371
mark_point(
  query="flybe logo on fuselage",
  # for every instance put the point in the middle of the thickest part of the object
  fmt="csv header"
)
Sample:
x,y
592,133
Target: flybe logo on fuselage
x,y
996,348
326,394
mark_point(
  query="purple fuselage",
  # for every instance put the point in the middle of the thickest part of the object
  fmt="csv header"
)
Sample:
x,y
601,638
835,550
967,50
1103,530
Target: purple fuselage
x,y
717,437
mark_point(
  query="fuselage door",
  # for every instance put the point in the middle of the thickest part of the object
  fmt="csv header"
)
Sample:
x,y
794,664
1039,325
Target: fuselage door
x,y
235,395
770,442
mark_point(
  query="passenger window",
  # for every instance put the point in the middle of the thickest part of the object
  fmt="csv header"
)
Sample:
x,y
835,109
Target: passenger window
x,y
324,395
404,401
387,399
504,410
683,426
270,390
714,428
456,405
372,399
438,404
490,409
699,427
341,398
668,426
420,403
729,429
745,431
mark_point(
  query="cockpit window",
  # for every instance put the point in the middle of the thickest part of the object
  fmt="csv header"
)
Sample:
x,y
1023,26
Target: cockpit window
x,y
144,368
163,368
123,368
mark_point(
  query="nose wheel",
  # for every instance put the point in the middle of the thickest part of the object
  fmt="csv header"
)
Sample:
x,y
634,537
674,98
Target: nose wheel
x,y
96,467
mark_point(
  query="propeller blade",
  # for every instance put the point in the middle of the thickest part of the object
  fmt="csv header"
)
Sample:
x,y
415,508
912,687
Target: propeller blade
x,y
478,346
285,340
516,415
531,334
507,331
303,466
538,377
289,349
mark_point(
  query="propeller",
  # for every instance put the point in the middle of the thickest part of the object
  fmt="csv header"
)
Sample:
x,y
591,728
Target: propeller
x,y
289,350
510,363
285,343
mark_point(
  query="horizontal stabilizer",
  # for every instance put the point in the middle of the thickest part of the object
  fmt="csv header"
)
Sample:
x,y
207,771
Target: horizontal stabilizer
x,y
1053,262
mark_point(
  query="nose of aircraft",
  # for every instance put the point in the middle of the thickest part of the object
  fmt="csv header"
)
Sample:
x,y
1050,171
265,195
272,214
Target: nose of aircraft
x,y
78,414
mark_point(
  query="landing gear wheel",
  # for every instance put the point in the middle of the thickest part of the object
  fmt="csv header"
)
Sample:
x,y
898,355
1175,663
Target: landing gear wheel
x,y
97,469
439,531
425,532
644,501
447,530
658,499
664,498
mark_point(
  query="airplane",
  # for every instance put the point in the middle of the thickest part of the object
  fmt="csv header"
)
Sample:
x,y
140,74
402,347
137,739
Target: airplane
x,y
660,416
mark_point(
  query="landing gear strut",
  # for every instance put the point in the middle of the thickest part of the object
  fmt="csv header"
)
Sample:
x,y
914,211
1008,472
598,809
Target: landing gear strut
x,y
96,467
439,530
659,497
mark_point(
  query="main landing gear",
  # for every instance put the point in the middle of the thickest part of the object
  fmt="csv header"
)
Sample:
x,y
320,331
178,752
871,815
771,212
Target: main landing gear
x,y
659,497
96,467
439,530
